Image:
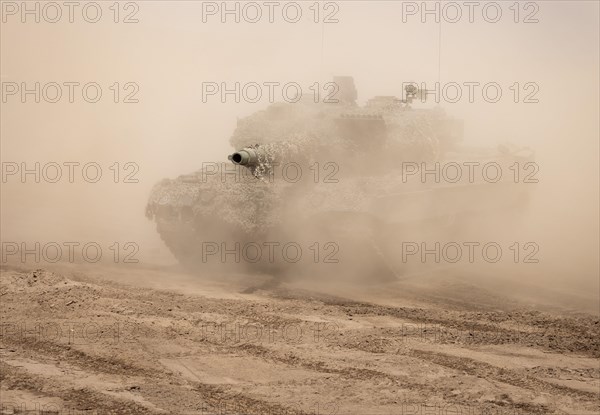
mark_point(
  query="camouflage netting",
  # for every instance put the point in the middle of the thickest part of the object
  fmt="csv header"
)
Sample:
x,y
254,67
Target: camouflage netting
x,y
417,134
312,128
248,207
284,122
298,148
367,144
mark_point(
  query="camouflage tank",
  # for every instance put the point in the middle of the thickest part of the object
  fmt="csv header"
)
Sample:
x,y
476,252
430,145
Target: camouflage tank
x,y
330,171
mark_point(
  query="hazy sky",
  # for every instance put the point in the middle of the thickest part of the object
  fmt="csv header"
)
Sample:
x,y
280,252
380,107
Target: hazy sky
x,y
170,52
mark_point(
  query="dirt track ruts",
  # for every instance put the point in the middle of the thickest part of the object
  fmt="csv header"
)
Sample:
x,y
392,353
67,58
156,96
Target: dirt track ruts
x,y
86,343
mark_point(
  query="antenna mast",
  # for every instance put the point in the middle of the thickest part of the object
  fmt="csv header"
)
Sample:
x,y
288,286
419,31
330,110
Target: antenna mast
x,y
440,51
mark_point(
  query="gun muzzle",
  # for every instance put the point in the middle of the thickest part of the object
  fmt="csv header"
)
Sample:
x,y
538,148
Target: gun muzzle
x,y
245,157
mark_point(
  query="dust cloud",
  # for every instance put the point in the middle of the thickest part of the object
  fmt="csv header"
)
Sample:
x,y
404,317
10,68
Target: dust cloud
x,y
170,53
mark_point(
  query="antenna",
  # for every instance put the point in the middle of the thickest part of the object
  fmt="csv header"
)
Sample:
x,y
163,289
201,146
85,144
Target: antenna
x,y
322,46
440,52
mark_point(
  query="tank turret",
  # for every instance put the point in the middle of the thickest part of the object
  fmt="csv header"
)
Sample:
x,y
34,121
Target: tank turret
x,y
323,162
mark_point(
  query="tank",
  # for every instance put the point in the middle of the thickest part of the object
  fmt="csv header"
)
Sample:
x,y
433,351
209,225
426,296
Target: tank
x,y
337,180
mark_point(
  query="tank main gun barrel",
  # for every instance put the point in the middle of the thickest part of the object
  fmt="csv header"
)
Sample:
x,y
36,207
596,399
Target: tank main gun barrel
x,y
258,155
261,159
245,157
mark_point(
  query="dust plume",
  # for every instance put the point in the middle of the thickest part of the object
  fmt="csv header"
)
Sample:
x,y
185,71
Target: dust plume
x,y
164,62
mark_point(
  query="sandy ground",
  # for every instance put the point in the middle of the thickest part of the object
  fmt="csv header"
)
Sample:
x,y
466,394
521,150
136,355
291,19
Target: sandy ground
x,y
143,340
